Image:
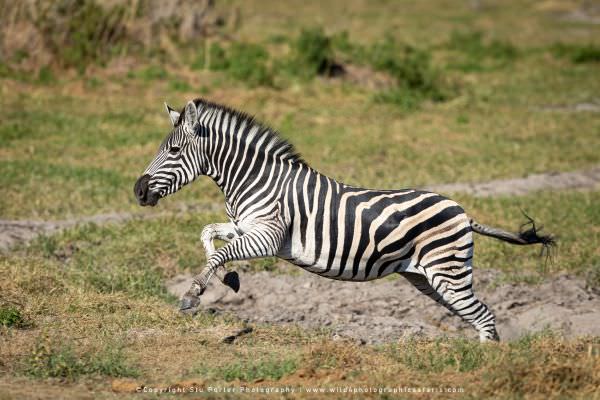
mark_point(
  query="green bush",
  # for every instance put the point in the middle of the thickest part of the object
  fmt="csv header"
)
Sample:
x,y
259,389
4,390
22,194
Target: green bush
x,y
577,54
313,53
416,79
45,75
247,63
218,60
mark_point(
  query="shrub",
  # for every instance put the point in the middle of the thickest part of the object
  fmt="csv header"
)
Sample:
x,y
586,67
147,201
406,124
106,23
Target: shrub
x,y
577,54
416,79
247,63
45,75
313,53
217,58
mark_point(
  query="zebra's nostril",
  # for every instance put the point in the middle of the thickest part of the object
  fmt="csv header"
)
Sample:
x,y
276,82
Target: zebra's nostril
x,y
140,188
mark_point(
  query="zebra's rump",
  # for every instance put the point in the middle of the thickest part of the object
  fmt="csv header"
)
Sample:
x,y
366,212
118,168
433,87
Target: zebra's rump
x,y
362,234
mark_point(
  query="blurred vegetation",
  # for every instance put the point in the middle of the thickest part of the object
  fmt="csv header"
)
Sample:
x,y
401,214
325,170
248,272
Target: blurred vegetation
x,y
479,54
578,54
77,34
311,54
82,32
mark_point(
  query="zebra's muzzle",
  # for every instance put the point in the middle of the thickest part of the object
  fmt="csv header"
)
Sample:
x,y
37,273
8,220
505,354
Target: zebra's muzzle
x,y
145,197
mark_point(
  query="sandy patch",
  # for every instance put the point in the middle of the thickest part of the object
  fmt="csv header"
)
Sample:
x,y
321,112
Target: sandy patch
x,y
583,179
389,310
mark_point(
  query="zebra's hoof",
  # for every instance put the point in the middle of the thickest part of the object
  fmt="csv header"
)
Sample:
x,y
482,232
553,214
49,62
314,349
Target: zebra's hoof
x,y
232,279
189,304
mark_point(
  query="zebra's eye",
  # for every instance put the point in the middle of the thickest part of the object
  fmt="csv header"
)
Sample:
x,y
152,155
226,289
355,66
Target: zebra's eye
x,y
174,149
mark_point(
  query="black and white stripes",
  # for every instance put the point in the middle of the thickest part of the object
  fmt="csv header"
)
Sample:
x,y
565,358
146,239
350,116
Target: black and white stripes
x,y
279,206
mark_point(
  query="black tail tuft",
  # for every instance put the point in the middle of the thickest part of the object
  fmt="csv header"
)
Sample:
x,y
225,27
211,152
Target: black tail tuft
x,y
531,236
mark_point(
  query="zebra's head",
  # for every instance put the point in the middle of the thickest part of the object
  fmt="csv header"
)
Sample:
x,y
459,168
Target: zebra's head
x,y
177,163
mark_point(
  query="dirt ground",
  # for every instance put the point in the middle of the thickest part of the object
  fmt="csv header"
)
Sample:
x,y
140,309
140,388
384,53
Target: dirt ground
x,y
391,310
583,179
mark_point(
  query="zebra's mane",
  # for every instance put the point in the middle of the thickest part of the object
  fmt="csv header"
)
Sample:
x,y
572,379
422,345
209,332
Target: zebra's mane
x,y
287,150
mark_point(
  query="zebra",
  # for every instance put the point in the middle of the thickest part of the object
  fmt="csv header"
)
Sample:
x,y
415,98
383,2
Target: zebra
x,y
277,205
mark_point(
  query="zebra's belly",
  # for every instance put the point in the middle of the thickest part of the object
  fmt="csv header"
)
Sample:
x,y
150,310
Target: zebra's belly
x,y
366,269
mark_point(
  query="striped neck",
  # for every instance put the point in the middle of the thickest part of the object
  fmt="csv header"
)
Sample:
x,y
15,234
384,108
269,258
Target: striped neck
x,y
239,153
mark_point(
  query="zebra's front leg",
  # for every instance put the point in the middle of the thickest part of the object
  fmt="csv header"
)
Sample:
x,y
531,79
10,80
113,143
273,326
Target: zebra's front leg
x,y
227,232
263,240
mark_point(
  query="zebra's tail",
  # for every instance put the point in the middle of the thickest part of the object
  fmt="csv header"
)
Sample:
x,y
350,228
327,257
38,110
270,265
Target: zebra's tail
x,y
524,237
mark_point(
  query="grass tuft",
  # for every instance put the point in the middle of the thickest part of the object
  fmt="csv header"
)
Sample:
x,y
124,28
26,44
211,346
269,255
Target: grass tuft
x,y
459,355
51,358
11,316
251,371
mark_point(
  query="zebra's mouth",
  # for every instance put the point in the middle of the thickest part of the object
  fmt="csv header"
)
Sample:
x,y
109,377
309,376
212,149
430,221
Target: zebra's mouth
x,y
150,200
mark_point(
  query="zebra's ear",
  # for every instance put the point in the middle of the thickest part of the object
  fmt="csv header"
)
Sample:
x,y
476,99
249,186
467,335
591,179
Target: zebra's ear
x,y
190,115
173,115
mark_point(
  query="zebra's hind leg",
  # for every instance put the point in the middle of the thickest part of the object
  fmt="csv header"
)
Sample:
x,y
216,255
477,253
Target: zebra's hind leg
x,y
458,297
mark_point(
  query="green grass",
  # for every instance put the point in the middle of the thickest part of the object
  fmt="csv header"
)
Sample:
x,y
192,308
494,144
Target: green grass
x,y
253,370
578,54
11,316
476,54
51,358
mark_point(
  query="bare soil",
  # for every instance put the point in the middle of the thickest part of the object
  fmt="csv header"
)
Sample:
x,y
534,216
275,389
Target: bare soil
x,y
582,179
22,231
391,310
